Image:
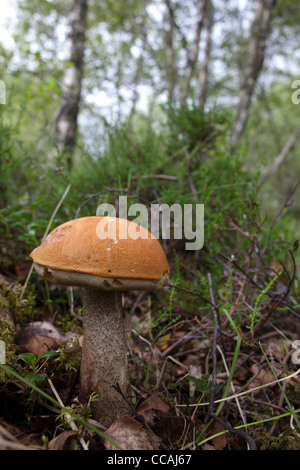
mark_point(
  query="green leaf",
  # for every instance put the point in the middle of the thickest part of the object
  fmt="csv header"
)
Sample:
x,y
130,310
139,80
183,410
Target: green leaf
x,y
29,358
49,354
35,378
203,385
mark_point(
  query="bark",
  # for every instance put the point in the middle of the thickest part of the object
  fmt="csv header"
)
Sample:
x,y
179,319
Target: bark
x,y
170,57
171,71
203,79
192,59
255,59
67,118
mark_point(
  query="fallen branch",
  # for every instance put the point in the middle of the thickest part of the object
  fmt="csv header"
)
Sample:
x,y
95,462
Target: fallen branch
x,y
271,169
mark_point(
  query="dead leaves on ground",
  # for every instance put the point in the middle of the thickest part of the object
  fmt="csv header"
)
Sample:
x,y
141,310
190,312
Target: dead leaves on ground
x,y
147,431
11,438
131,435
59,442
40,336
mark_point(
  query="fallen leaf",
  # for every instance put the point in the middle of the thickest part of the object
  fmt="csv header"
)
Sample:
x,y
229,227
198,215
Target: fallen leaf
x,y
40,344
131,435
163,342
40,336
153,402
262,377
11,438
150,407
59,441
208,447
219,442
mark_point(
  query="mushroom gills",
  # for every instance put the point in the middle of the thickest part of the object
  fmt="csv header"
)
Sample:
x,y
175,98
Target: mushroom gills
x,y
80,279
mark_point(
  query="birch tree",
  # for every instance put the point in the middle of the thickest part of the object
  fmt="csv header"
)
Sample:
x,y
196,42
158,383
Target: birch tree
x,y
255,59
203,79
67,118
193,56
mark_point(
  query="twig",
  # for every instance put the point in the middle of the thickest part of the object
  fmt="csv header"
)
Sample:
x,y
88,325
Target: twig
x,y
237,432
287,203
68,416
140,418
110,190
188,291
232,385
270,170
245,392
157,177
214,350
255,284
183,339
45,234
281,299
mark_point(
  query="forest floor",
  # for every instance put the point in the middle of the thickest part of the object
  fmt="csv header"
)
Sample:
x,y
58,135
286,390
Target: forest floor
x,y
205,373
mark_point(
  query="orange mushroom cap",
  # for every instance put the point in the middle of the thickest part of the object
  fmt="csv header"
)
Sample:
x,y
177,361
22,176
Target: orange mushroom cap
x,y
118,252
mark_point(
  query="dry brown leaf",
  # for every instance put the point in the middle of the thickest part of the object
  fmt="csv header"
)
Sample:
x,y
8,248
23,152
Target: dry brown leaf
x,y
40,344
219,442
131,435
262,377
11,438
208,447
150,407
59,441
163,342
40,336
153,403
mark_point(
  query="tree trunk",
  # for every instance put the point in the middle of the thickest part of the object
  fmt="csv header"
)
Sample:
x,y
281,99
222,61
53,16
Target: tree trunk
x,y
203,79
192,59
170,57
255,59
66,121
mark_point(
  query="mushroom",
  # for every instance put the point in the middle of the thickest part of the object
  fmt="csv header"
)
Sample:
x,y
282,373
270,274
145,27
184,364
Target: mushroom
x,y
104,256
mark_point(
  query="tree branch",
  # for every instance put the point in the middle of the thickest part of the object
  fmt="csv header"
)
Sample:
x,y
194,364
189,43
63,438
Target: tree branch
x,y
271,169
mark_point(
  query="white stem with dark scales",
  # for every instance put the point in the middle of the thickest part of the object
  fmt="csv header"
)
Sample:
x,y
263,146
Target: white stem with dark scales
x,y
104,359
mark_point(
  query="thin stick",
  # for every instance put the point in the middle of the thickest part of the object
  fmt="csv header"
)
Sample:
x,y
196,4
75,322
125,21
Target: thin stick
x,y
68,416
214,349
232,385
44,236
246,392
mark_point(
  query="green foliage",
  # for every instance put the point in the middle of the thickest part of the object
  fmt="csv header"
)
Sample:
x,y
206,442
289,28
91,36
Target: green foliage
x,y
17,309
164,319
203,385
254,314
196,127
35,376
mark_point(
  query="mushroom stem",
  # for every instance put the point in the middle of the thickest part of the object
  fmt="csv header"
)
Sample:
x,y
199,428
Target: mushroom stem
x,y
104,359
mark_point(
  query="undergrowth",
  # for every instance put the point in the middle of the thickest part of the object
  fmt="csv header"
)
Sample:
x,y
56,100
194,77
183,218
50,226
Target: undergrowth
x,y
216,343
